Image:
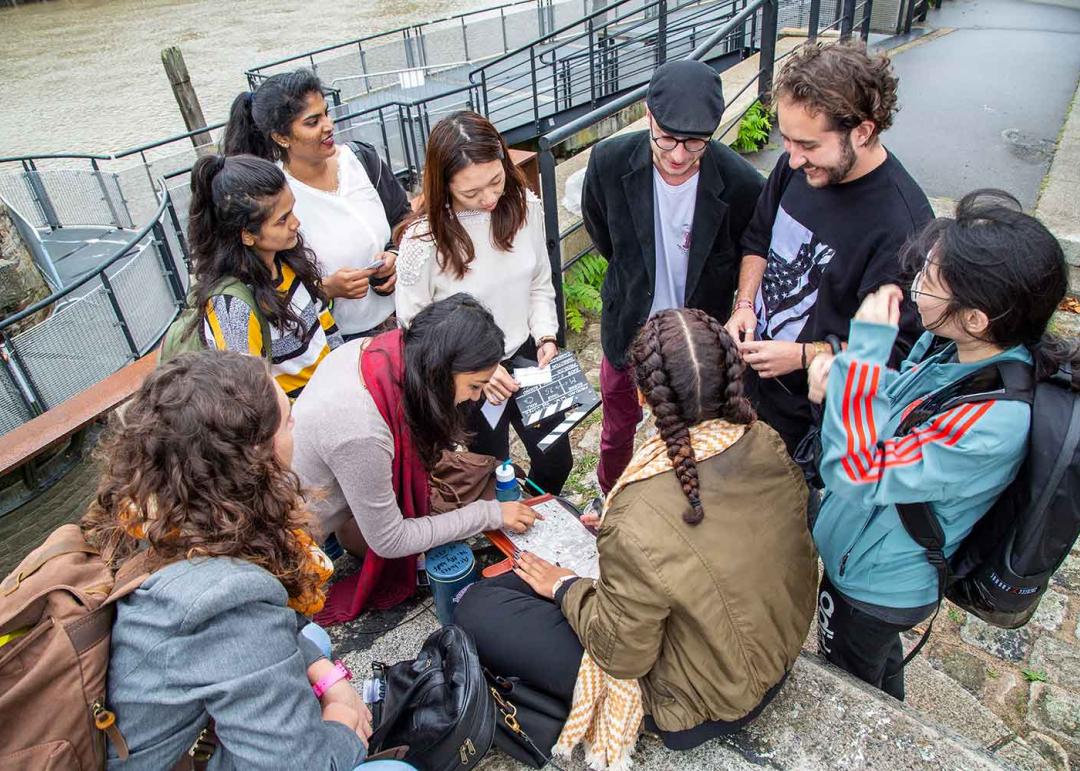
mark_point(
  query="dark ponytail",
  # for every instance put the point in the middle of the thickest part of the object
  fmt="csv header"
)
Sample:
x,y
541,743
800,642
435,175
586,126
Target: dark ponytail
x,y
995,258
256,116
229,196
689,369
242,135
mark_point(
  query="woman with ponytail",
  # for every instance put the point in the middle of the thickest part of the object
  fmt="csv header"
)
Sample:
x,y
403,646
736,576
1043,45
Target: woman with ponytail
x,y
988,280
242,229
346,196
707,572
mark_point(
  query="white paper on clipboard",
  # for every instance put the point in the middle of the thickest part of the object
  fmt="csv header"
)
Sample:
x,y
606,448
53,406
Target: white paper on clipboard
x,y
559,538
493,412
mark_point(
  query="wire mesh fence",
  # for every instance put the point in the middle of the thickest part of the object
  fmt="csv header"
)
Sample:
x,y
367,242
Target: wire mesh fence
x,y
79,344
13,410
143,292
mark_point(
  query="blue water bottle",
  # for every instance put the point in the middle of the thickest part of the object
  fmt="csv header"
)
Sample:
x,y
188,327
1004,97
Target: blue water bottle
x,y
506,486
450,568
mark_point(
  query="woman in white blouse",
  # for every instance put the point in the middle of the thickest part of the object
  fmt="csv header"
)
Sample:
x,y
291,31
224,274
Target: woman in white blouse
x,y
480,231
347,199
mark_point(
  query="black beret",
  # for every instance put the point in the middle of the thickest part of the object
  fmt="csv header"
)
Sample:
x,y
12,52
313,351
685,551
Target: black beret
x,y
686,98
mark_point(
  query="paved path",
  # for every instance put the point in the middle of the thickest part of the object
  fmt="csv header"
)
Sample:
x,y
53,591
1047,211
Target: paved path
x,y
982,101
982,106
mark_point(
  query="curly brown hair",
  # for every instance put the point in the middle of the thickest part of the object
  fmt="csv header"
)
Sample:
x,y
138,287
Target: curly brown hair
x,y
842,81
689,369
189,467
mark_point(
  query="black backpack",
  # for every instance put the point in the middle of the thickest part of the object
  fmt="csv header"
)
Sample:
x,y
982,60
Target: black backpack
x,y
437,708
1001,570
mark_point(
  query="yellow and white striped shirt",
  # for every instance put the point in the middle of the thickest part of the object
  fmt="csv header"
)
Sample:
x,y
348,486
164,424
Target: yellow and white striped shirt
x,y
232,325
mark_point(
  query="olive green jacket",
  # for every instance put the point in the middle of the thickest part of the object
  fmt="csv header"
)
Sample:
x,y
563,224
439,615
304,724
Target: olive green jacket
x,y
708,617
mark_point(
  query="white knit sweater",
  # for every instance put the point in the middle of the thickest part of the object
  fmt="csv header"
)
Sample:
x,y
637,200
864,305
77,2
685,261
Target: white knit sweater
x,y
514,285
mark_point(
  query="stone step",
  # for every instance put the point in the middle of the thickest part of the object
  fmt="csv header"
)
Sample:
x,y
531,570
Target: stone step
x,y
824,719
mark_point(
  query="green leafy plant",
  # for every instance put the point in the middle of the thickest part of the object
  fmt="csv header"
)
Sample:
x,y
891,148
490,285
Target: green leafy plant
x,y
956,615
754,129
581,289
992,673
1034,675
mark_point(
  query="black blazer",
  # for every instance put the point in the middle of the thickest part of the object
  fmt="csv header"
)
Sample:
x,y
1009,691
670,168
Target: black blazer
x,y
617,206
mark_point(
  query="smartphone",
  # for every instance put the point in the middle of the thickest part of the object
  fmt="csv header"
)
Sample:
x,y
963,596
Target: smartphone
x,y
375,265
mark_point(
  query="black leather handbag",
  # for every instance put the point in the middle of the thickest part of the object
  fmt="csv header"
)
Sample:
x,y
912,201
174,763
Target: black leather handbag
x,y
437,706
530,720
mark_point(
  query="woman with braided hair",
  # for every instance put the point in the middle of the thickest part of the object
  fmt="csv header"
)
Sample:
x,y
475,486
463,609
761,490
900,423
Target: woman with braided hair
x,y
707,571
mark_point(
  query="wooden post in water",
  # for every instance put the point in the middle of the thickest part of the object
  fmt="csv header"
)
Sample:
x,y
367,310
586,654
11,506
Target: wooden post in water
x,y
173,60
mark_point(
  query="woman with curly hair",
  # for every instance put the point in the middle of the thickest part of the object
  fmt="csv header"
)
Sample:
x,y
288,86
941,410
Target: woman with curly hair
x,y
707,571
197,483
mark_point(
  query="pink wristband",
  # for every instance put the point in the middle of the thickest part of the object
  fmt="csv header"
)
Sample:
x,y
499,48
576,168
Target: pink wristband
x,y
338,673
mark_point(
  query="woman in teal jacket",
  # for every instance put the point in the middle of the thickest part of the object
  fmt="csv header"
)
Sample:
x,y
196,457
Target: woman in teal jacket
x,y
988,282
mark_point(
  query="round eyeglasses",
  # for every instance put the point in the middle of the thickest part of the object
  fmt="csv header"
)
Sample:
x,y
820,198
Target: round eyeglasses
x,y
692,144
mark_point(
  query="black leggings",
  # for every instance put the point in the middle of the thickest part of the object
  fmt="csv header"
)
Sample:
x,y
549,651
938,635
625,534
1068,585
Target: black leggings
x,y
518,633
548,470
859,643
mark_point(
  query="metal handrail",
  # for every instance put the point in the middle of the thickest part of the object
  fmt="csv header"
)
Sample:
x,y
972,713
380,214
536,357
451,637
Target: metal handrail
x,y
131,242
562,133
56,156
550,36
256,70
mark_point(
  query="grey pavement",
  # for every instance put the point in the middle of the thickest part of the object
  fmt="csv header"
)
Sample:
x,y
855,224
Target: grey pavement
x,y
982,106
982,102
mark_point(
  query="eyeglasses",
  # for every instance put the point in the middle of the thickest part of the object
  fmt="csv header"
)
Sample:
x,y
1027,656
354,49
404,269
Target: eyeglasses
x,y
692,144
916,284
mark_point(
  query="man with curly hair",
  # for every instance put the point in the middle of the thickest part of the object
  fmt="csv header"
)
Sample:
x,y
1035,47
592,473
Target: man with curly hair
x,y
827,229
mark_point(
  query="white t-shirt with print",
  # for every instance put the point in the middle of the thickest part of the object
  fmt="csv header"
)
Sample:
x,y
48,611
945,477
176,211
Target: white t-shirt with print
x,y
673,216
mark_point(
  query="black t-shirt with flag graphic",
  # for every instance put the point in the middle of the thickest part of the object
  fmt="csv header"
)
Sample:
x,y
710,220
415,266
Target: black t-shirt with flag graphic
x,y
826,249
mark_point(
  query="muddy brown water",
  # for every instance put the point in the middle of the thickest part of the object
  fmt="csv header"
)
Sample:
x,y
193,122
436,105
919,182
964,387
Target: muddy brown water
x,y
86,75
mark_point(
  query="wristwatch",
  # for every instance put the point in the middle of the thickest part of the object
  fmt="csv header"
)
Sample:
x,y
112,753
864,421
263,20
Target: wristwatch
x,y
338,673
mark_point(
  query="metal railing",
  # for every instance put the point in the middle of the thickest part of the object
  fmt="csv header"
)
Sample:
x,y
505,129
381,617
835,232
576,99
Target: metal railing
x,y
96,325
428,47
597,57
762,15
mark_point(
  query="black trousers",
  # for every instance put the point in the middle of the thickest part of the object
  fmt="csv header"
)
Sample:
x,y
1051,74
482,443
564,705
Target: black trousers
x,y
860,643
518,633
782,404
548,470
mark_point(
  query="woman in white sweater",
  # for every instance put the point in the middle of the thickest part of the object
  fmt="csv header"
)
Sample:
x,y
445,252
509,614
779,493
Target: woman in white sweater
x,y
479,230
347,199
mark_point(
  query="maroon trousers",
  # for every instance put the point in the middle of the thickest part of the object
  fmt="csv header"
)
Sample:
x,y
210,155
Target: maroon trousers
x,y
621,415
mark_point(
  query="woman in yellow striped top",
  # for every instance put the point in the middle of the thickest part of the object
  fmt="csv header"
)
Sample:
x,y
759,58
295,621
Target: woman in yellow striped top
x,y
242,226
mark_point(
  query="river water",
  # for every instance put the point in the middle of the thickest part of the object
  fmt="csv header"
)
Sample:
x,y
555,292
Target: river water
x,y
86,75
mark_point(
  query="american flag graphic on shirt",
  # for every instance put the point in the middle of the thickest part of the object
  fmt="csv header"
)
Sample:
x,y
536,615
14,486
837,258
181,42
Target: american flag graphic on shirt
x,y
794,269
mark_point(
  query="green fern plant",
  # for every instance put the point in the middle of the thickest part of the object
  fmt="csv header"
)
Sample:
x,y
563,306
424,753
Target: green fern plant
x,y
754,129
581,290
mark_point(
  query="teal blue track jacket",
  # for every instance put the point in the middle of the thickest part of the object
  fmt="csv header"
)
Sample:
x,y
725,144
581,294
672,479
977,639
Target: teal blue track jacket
x,y
958,462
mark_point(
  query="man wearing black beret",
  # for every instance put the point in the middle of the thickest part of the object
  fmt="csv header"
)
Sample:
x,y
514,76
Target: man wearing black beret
x,y
667,208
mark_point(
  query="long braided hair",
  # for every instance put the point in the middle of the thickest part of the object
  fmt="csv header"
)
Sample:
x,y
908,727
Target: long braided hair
x,y
689,370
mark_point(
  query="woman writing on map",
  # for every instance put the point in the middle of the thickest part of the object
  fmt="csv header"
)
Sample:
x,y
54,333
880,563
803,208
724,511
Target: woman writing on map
x,y
707,571
370,426
479,230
